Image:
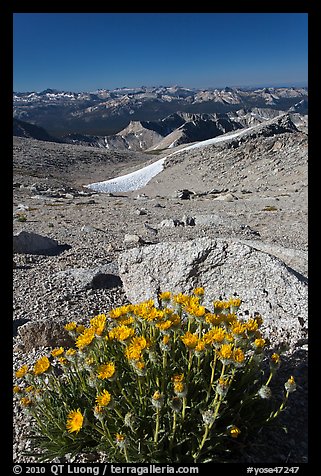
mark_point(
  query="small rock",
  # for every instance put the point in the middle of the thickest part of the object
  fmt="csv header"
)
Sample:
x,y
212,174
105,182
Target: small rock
x,y
150,229
188,221
141,211
183,194
32,243
218,190
47,333
133,240
142,196
226,198
170,223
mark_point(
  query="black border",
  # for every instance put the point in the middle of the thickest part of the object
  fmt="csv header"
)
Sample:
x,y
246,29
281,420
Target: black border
x,y
6,32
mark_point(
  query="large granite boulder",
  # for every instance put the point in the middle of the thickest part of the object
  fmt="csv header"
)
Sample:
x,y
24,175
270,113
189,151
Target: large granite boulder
x,y
224,268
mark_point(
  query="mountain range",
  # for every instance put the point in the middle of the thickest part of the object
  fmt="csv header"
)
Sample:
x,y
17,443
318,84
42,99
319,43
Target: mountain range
x,y
150,118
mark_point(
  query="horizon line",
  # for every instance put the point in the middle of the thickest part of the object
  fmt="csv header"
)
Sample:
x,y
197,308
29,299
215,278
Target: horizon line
x,y
296,84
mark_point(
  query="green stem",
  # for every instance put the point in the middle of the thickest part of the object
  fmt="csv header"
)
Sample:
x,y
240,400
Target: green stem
x,y
208,427
200,330
212,377
157,426
118,413
164,370
173,430
140,390
269,379
124,395
190,359
125,453
274,415
184,408
107,433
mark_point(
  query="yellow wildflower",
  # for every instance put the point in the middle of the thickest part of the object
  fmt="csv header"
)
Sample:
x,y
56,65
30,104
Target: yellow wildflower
x,y
140,365
165,339
75,421
199,311
213,319
259,343
153,314
85,338
230,318
80,329
137,345
157,399
70,326
17,389
235,302
41,365
178,378
165,296
98,323
234,431
238,328
214,335
275,358
106,371
25,401
116,313
290,385
225,351
198,291
181,299
200,346
252,325
133,352
141,342
58,351
71,352
125,320
220,306
164,325
20,373
258,319
121,333
103,399
190,340
178,387
120,440
238,356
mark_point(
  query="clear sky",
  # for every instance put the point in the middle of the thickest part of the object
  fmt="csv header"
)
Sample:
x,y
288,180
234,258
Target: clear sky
x,y
90,51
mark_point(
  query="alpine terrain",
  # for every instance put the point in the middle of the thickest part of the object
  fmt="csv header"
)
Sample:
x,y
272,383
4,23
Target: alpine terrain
x,y
120,194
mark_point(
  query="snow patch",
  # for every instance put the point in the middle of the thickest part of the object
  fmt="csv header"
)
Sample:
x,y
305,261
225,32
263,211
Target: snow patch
x,y
140,178
129,182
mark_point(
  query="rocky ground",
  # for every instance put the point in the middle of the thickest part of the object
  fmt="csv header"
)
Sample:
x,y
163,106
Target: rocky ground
x,y
253,190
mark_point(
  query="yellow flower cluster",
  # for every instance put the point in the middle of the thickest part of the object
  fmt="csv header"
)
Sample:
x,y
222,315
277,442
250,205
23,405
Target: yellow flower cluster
x,y
159,353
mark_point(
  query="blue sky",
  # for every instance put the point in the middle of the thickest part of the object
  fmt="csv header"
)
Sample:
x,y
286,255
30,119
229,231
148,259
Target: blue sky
x,y
89,51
